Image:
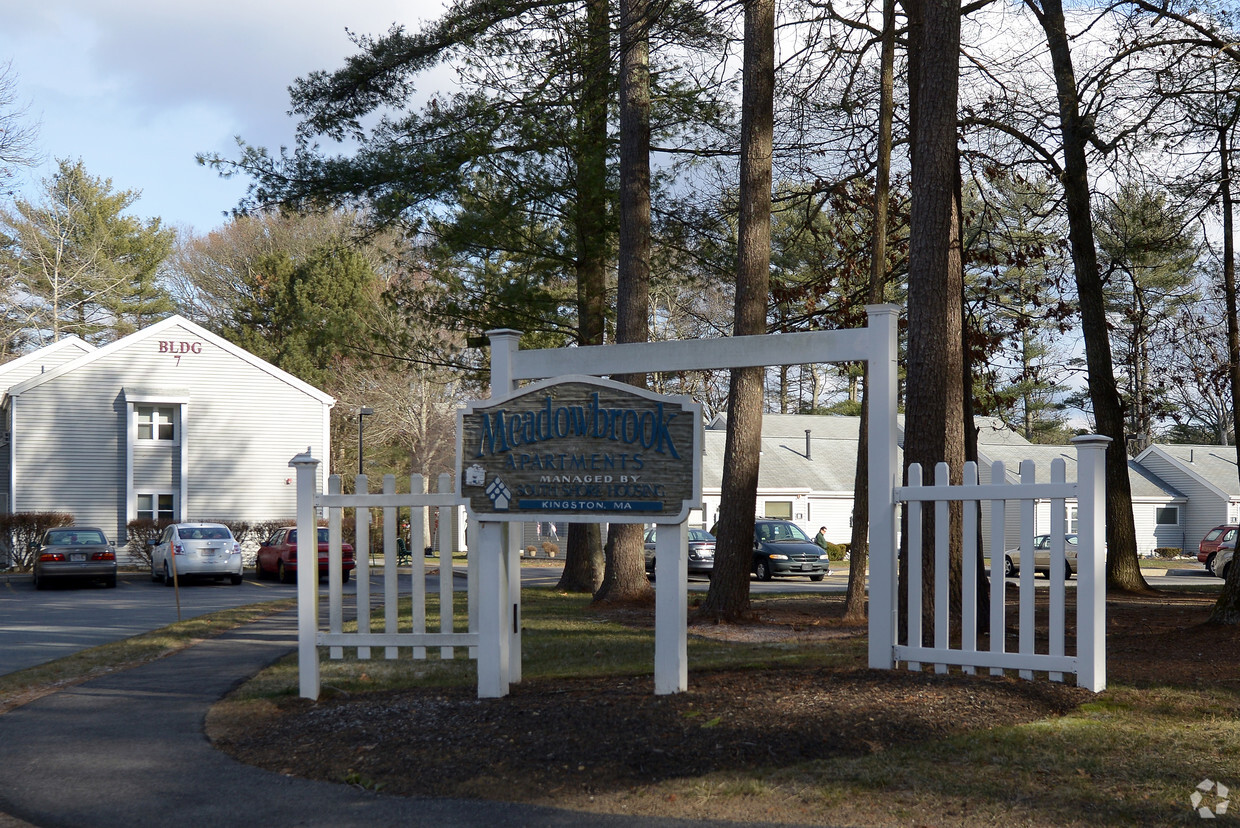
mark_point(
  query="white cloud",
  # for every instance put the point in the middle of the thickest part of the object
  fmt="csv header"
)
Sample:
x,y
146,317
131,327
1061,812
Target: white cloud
x,y
136,88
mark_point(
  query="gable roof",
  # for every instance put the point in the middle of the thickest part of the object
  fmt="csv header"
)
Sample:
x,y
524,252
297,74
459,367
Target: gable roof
x,y
831,466
1213,466
158,329
1144,484
37,362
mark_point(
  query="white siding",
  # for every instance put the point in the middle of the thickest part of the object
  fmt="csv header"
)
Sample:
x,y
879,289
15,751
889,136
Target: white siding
x,y
835,513
69,440
1205,508
242,426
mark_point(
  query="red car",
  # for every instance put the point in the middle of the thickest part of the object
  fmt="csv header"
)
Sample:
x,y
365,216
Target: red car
x,y
1219,537
277,556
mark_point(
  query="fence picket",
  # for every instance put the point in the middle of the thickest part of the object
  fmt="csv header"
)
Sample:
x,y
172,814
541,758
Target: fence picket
x,y
335,569
417,517
914,589
391,578
942,568
998,581
969,567
361,557
1027,571
445,565
1058,575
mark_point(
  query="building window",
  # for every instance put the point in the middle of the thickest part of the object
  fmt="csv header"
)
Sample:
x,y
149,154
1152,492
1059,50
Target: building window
x,y
155,422
779,509
1167,515
1071,519
155,507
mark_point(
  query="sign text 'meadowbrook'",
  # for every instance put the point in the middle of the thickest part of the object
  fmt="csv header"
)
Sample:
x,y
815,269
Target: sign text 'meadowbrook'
x,y
504,430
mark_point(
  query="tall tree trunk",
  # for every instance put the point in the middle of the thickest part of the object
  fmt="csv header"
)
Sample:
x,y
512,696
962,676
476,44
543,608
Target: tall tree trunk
x,y
728,597
934,398
859,544
583,553
1227,608
625,576
1123,570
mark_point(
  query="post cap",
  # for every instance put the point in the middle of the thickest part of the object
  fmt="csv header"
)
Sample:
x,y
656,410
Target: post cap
x,y
303,459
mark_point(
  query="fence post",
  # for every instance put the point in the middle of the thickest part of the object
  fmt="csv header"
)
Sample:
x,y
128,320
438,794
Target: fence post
x,y
493,627
671,607
1091,666
307,577
880,396
504,343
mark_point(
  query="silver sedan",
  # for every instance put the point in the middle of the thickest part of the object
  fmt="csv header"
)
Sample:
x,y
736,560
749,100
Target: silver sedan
x,y
74,553
1042,557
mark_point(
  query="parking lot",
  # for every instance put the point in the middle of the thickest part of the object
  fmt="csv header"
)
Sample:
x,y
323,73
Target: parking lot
x,y
41,626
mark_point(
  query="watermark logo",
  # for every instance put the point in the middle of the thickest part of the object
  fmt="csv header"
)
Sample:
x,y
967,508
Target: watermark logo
x,y
1210,799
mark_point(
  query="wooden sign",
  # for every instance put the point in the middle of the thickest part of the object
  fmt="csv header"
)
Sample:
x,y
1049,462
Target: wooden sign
x,y
580,449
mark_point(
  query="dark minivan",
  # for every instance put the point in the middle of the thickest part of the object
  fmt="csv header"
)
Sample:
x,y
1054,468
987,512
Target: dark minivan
x,y
780,547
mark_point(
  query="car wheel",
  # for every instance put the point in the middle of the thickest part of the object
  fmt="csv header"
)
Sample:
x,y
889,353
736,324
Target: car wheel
x,y
1210,563
168,580
344,577
235,580
39,583
110,582
282,574
762,571
816,577
1008,569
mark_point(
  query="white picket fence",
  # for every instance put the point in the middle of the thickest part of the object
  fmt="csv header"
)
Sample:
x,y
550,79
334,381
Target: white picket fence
x,y
961,649
395,642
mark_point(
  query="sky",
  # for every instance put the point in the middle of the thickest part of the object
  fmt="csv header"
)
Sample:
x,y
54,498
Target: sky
x,y
135,89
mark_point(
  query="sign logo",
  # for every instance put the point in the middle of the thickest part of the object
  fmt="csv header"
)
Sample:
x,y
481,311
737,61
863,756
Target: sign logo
x,y
1210,799
581,446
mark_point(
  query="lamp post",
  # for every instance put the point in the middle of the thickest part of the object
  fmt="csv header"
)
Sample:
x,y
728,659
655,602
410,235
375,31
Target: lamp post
x,y
361,412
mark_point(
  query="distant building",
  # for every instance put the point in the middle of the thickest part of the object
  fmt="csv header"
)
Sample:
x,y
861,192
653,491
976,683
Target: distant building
x,y
170,422
808,468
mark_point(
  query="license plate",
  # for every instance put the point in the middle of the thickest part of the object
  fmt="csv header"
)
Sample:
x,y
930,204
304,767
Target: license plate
x,y
806,567
209,552
77,556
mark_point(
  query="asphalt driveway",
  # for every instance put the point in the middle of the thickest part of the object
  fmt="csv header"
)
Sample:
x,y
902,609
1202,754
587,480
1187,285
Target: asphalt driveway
x,y
128,750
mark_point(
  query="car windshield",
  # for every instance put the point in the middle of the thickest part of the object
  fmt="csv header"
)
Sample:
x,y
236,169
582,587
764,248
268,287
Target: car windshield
x,y
75,537
700,535
205,533
292,535
781,531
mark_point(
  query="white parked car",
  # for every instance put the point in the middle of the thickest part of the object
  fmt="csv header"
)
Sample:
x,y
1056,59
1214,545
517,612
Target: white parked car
x,y
196,550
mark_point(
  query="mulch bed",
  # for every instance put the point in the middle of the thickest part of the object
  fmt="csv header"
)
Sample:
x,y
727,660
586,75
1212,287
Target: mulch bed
x,y
597,735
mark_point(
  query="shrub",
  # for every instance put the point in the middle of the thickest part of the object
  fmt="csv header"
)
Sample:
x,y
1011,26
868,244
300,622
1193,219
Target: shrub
x,y
23,529
1168,552
835,551
139,532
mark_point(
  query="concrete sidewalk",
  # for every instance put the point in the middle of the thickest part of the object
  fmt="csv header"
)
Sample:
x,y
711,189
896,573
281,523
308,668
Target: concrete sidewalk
x,y
128,750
